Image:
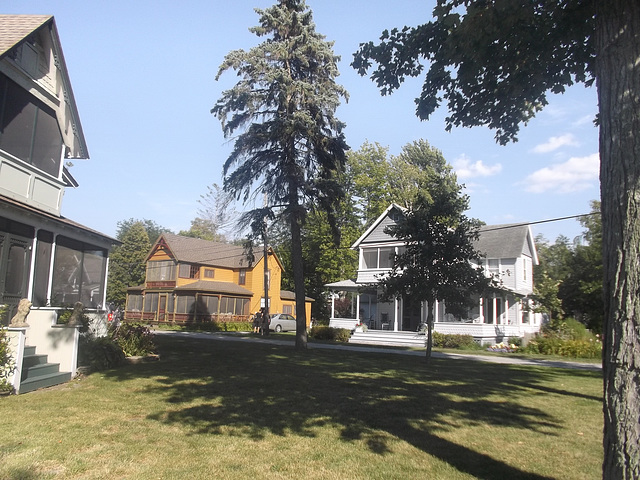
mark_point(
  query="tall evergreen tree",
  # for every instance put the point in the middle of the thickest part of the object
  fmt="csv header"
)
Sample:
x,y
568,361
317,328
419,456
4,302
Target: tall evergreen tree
x,y
494,63
291,146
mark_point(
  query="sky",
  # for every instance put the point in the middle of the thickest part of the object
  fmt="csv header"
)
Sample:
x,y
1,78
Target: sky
x,y
143,76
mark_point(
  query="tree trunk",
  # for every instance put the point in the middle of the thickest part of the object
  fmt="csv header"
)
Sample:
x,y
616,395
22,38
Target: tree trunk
x,y
429,329
618,80
298,280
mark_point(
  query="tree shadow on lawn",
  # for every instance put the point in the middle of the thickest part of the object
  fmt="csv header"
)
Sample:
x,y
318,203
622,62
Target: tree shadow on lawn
x,y
259,388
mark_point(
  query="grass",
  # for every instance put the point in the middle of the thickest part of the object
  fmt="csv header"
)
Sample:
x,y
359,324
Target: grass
x,y
235,410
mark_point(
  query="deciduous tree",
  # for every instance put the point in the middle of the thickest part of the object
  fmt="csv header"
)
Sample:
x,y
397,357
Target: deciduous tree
x,y
127,262
493,62
291,146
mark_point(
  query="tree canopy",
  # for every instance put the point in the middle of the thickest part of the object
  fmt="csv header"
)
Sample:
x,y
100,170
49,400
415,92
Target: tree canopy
x,y
493,62
290,147
439,262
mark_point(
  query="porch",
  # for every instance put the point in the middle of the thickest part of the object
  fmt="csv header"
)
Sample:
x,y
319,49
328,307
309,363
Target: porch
x,y
484,334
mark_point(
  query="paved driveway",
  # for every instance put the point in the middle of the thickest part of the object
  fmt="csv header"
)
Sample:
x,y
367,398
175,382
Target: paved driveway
x,y
231,337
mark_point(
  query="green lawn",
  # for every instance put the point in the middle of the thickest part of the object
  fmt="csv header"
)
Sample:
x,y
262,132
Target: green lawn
x,y
235,410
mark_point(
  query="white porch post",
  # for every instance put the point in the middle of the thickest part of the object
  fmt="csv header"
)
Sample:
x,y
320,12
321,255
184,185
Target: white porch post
x,y
495,310
435,311
32,267
481,306
396,306
54,247
333,304
506,310
358,306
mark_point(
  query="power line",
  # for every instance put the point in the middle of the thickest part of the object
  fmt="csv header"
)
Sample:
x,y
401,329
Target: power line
x,y
513,225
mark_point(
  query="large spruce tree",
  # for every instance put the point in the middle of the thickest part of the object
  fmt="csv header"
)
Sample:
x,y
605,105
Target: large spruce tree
x,y
289,145
493,62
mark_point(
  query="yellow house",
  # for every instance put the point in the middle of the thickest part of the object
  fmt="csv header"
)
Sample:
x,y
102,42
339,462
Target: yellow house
x,y
190,280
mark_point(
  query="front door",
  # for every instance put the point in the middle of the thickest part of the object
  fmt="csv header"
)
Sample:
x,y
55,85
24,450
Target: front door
x,y
162,307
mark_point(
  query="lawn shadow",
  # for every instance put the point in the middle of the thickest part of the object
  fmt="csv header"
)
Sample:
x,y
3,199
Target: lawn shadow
x,y
258,389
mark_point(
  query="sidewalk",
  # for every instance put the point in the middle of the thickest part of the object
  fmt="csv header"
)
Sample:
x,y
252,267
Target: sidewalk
x,y
231,337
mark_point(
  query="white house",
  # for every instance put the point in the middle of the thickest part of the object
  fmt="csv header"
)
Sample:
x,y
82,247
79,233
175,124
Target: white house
x,y
510,254
45,258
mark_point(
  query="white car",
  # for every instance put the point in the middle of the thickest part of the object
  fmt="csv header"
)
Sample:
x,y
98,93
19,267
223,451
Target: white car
x,y
282,322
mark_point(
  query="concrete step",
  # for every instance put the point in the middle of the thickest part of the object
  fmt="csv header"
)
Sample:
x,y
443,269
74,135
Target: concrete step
x,y
399,339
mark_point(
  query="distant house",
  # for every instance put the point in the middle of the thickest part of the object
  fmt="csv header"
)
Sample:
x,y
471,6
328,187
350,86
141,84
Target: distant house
x,y
190,280
510,254
44,257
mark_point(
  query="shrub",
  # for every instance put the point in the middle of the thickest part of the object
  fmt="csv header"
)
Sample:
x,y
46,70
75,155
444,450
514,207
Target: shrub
x,y
553,345
464,342
7,363
134,339
99,353
322,332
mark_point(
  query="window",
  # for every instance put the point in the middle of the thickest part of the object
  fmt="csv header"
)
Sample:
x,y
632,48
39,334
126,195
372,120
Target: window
x,y
186,270
29,129
151,302
134,302
493,266
78,273
208,304
235,306
288,309
185,303
386,257
370,258
209,273
524,268
373,258
242,277
159,271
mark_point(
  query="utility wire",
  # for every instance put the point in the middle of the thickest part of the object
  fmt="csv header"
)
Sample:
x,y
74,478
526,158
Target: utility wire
x,y
513,225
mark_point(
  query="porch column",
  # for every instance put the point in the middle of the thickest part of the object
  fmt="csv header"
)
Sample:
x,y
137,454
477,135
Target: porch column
x,y
481,306
104,290
333,304
32,266
357,315
396,305
495,310
518,315
506,310
435,311
53,257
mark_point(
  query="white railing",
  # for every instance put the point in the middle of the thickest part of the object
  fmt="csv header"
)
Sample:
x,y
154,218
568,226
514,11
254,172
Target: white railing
x,y
348,323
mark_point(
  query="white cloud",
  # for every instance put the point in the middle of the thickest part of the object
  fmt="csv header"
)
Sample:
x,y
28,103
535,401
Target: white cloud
x,y
577,173
555,143
466,169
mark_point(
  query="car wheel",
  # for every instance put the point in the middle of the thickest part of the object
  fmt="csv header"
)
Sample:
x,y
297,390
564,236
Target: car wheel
x,y
278,328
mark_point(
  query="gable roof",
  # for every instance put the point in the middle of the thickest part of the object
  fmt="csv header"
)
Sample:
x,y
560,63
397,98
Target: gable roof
x,y
16,29
507,241
376,224
495,241
205,252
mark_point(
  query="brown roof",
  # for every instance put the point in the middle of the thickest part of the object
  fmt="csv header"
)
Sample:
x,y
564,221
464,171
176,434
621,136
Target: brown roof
x,y
205,252
215,287
15,28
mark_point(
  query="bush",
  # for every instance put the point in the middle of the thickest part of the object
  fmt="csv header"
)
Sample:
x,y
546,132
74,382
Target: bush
x,y
322,332
99,353
134,339
463,342
7,363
